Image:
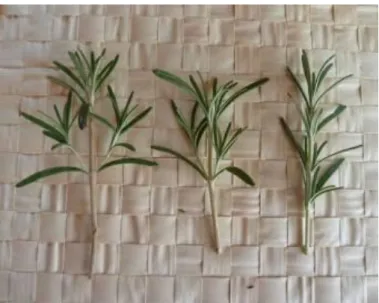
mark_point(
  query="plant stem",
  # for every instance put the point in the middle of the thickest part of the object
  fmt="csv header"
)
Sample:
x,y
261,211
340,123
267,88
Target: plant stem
x,y
212,201
306,232
214,216
77,156
92,189
308,188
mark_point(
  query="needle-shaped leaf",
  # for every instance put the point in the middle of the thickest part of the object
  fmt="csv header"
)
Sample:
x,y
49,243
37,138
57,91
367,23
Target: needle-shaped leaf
x,y
123,161
321,76
127,105
102,120
298,85
307,73
180,119
125,145
331,87
46,173
319,150
339,109
79,66
232,140
57,113
67,111
67,86
181,157
55,136
70,74
324,191
115,107
200,96
173,79
41,123
55,146
328,172
243,91
293,141
137,118
193,115
199,132
325,67
105,72
340,152
84,58
239,173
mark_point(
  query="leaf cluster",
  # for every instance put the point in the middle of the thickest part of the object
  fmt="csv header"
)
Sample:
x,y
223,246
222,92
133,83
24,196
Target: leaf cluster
x,y
84,81
204,121
316,170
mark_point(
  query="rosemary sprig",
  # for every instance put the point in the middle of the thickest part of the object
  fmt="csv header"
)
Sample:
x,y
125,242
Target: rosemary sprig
x,y
84,82
203,124
316,170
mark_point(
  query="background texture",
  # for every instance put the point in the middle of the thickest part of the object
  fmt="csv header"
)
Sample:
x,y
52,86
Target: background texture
x,y
154,238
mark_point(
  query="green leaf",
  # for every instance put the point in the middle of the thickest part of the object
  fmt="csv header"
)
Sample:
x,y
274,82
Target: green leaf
x,y
113,99
125,145
307,73
78,64
137,118
102,120
179,118
173,79
200,130
239,173
325,67
83,115
193,115
70,74
319,150
339,109
42,123
55,136
324,191
105,72
46,173
293,141
67,111
55,146
340,152
200,96
181,157
67,86
84,58
124,161
328,172
298,85
101,56
331,87
58,115
243,91
226,134
125,110
231,141
321,76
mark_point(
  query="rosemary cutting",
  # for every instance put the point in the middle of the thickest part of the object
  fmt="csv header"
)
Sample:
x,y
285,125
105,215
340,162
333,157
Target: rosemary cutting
x,y
204,124
316,169
84,83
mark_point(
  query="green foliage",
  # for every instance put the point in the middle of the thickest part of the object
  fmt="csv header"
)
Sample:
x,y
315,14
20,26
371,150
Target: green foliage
x,y
48,172
84,82
314,122
204,122
316,171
